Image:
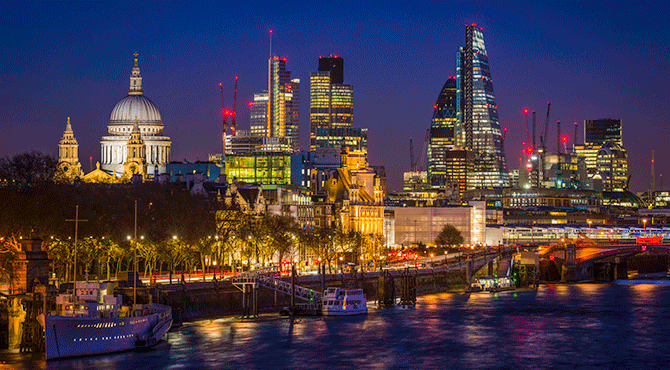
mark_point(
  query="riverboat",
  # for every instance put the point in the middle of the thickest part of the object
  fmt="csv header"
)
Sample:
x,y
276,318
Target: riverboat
x,y
97,323
343,302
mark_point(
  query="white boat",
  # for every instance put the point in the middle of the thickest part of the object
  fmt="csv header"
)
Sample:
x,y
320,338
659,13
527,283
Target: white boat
x,y
98,323
341,302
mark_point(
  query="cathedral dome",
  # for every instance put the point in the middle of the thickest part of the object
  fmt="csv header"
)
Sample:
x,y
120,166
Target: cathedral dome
x,y
132,106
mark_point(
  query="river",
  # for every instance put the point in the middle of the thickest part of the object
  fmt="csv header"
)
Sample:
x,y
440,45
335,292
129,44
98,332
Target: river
x,y
586,326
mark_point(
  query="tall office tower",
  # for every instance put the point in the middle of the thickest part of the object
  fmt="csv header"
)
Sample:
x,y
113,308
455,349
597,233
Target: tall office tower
x,y
442,134
258,112
283,117
597,133
600,131
331,105
479,128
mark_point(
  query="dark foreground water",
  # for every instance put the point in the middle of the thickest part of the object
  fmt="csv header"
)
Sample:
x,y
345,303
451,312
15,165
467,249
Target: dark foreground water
x,y
586,326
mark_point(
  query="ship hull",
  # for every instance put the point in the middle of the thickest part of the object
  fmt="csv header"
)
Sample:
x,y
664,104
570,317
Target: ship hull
x,y
83,336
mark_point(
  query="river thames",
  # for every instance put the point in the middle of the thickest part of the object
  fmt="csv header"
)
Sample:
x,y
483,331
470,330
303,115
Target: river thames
x,y
586,326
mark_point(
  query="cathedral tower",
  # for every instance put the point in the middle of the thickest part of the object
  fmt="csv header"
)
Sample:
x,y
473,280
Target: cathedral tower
x,y
68,155
135,163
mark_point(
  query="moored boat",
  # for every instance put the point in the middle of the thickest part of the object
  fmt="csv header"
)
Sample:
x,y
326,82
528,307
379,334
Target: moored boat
x,y
98,323
341,302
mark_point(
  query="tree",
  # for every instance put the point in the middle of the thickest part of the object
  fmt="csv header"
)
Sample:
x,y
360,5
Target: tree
x,y
449,236
29,168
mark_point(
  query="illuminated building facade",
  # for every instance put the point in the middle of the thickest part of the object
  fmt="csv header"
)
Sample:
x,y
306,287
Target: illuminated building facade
x,y
459,164
283,113
135,107
479,128
356,139
261,167
442,134
244,142
331,103
612,166
68,155
415,225
600,131
258,112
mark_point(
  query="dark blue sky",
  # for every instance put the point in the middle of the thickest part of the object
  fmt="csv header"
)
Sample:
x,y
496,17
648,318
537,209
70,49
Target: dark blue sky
x,y
591,59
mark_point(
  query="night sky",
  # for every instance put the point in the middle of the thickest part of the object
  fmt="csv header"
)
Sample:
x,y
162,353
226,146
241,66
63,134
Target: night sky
x,y
589,59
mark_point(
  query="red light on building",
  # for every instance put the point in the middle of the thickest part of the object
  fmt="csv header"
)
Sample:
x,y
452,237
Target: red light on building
x,y
435,106
474,25
250,103
529,150
525,111
270,31
220,84
564,139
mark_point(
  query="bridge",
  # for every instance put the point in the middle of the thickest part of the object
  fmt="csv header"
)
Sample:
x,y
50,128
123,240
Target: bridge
x,y
579,261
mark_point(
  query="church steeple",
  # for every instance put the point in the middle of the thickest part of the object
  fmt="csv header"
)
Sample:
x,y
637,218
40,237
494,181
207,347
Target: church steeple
x,y
135,80
135,161
68,155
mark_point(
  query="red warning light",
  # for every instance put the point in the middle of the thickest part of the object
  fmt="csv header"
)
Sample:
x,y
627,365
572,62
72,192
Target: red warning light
x,y
90,158
236,78
220,84
564,139
435,106
250,103
270,31
529,150
474,25
525,111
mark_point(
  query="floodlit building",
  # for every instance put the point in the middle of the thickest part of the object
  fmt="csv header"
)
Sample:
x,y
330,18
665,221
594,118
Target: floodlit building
x,y
612,167
258,115
413,225
259,167
135,107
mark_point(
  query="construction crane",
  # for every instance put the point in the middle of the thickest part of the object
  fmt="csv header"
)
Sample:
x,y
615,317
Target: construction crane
x,y
546,129
225,118
233,123
424,149
227,113
534,136
412,165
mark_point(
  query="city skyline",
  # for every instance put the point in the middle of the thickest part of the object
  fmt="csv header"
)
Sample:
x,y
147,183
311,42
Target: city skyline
x,y
398,61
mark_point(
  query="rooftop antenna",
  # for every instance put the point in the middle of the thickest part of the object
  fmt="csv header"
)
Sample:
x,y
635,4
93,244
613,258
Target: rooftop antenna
x,y
270,43
233,124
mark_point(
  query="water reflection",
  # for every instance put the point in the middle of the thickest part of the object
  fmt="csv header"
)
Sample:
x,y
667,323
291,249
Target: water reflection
x,y
557,326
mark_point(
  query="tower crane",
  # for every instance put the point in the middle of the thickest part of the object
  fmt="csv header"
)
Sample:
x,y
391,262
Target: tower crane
x,y
546,128
411,156
234,115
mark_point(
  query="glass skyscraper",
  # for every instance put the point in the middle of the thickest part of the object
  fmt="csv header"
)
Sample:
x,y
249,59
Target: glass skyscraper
x,y
331,102
283,117
478,128
442,134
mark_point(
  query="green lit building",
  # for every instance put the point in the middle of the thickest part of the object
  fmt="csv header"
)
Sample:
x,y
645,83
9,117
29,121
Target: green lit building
x,y
264,168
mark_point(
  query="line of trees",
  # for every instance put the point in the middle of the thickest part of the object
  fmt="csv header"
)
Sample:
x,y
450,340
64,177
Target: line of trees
x,y
176,230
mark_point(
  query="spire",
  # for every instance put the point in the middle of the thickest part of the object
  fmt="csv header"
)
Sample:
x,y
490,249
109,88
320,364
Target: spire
x,y
135,79
68,127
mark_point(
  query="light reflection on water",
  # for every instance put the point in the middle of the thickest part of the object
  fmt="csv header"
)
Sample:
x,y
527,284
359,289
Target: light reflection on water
x,y
557,326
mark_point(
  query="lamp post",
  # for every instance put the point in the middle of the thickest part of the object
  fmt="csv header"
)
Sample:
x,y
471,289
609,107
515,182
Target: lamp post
x,y
644,222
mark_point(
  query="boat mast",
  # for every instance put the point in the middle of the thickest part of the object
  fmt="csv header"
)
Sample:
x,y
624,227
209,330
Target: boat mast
x,y
135,262
74,274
